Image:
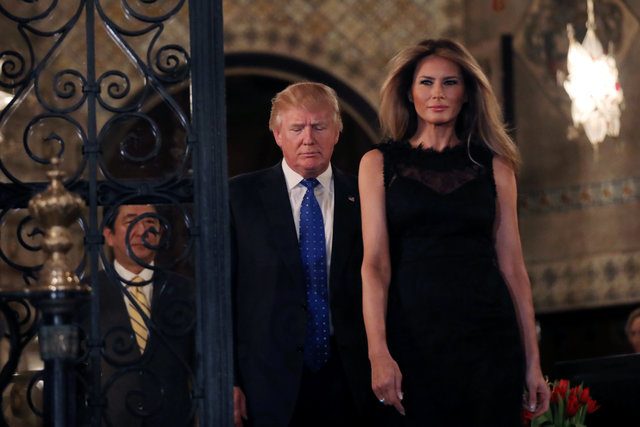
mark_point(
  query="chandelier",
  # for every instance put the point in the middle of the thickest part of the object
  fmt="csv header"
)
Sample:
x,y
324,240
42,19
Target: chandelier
x,y
592,84
5,99
5,96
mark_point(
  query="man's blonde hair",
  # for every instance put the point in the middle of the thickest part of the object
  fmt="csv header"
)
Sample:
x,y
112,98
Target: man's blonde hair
x,y
307,95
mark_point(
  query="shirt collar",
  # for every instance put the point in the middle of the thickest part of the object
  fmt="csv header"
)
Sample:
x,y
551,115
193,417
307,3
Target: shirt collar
x,y
146,274
293,178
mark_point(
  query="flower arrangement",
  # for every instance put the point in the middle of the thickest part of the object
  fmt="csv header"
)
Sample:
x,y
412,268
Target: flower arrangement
x,y
568,407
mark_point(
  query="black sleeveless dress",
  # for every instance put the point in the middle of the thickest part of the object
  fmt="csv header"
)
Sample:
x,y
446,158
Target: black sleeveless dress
x,y
451,324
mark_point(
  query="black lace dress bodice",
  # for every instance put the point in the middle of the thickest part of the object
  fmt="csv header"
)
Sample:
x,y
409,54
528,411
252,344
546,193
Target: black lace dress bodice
x,y
440,199
451,324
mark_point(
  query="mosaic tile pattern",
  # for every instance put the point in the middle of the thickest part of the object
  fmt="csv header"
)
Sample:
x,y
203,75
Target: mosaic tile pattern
x,y
594,281
618,191
351,39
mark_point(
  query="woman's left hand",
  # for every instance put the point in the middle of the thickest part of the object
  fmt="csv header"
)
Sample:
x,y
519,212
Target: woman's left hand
x,y
538,392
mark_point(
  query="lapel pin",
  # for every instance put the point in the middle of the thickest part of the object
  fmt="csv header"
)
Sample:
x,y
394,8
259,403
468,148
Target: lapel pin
x,y
351,199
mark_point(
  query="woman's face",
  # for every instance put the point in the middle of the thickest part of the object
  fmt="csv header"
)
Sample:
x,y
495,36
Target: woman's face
x,y
634,335
438,91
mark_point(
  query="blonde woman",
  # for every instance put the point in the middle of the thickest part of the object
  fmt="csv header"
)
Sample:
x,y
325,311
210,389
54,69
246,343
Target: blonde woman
x,y
446,298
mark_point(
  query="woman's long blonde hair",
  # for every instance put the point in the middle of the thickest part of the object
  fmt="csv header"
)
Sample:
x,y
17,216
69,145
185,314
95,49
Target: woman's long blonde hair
x,y
480,118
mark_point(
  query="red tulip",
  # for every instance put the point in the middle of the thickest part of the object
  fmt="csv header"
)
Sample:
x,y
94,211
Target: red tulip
x,y
573,392
572,405
573,399
584,396
527,416
562,387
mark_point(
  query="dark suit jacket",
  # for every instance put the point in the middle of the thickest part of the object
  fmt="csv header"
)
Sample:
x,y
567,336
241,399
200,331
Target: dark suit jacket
x,y
270,293
155,384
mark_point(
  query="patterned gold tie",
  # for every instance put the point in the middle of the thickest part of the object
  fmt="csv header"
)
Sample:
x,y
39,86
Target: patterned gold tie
x,y
137,322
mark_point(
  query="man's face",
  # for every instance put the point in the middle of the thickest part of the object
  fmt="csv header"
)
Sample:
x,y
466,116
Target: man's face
x,y
307,139
144,230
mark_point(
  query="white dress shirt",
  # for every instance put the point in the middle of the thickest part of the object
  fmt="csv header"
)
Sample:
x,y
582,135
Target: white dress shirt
x,y
146,274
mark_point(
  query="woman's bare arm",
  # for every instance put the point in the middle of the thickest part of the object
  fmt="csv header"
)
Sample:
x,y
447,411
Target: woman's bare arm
x,y
511,263
386,378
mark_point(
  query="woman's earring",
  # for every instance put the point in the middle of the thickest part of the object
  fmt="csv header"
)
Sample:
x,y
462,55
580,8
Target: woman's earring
x,y
410,97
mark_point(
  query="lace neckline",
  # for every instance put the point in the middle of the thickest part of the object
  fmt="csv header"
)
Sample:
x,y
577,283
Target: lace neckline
x,y
422,151
433,150
443,171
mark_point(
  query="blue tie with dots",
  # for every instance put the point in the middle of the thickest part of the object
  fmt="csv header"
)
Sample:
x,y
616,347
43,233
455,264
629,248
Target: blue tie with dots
x,y
314,264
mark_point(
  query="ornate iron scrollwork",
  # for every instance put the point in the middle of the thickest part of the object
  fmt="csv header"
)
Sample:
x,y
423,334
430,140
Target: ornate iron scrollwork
x,y
122,136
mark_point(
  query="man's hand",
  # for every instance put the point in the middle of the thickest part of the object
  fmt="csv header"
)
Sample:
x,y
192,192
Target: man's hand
x,y
239,407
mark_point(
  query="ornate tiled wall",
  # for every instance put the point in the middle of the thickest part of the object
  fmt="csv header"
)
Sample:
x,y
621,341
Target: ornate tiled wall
x,y
582,244
594,281
578,205
351,39
579,208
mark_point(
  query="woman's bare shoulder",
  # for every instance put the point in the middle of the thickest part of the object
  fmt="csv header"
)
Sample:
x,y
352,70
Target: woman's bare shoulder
x,y
372,159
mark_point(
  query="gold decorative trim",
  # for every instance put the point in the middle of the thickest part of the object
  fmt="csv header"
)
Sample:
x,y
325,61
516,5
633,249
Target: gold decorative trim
x,y
619,191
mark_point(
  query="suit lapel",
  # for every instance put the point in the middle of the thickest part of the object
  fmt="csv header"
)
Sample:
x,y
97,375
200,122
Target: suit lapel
x,y
159,282
277,209
345,212
113,307
113,310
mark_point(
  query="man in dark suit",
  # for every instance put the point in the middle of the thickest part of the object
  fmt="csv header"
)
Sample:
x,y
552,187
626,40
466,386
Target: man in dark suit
x,y
146,327
296,251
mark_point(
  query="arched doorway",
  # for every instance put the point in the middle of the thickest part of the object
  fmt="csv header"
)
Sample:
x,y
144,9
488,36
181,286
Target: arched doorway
x,y
253,79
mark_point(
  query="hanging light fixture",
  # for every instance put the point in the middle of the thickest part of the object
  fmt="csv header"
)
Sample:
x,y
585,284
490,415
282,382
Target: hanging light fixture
x,y
5,99
5,96
592,84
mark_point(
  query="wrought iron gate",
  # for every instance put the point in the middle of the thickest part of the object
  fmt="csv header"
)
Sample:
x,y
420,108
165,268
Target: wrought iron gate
x,y
128,97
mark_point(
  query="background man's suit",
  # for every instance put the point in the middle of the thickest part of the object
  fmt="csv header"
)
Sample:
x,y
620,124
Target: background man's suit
x,y
270,293
158,374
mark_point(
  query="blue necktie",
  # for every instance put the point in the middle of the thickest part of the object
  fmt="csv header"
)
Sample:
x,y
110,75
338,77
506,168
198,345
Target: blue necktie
x,y
314,264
